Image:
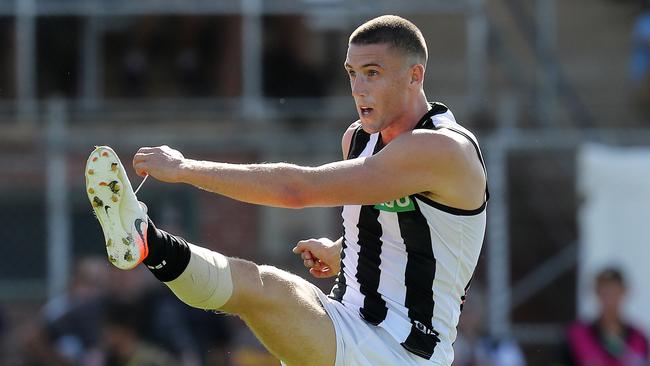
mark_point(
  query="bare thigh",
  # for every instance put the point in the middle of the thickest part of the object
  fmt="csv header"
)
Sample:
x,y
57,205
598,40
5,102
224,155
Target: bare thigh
x,y
284,313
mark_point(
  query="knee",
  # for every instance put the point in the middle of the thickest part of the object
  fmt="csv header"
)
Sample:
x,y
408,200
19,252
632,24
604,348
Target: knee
x,y
275,287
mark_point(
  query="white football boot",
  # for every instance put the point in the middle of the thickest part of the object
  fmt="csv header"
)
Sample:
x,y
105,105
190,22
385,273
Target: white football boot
x,y
123,219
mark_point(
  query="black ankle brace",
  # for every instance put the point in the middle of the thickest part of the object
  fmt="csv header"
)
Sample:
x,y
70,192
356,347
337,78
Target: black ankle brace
x,y
168,255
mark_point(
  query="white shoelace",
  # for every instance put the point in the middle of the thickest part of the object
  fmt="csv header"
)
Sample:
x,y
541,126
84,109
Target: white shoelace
x,y
141,184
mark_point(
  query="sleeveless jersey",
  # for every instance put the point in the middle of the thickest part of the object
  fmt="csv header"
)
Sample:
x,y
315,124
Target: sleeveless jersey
x,y
407,263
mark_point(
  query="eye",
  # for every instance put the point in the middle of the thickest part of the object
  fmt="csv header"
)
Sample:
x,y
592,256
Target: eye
x,y
351,73
373,72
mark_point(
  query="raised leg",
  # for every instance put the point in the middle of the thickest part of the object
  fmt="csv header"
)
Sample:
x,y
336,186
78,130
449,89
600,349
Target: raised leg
x,y
284,313
282,309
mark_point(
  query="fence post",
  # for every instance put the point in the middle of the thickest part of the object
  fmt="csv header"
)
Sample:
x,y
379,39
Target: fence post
x,y
498,249
26,59
252,48
477,49
57,199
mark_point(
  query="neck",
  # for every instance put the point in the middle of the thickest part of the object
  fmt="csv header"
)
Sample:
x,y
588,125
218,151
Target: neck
x,y
611,324
408,119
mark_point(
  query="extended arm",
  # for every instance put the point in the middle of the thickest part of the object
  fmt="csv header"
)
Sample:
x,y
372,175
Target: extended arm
x,y
423,161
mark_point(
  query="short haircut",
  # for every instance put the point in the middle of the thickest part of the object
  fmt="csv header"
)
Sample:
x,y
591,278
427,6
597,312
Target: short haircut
x,y
400,33
609,275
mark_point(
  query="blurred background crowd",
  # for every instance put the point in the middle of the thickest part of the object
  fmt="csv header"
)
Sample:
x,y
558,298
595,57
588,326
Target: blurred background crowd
x,y
558,92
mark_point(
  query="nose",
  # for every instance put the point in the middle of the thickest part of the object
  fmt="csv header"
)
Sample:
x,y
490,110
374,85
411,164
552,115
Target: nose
x,y
359,87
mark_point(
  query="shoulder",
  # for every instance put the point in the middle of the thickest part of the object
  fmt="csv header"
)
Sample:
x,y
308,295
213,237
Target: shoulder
x,y
440,142
638,333
346,141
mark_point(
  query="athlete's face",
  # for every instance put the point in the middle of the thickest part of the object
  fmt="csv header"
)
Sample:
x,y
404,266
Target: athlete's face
x,y
379,79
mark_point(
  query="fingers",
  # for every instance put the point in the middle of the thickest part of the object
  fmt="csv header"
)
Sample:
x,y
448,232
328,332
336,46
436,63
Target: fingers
x,y
304,249
307,255
303,245
140,160
140,165
311,261
317,267
300,247
308,259
320,266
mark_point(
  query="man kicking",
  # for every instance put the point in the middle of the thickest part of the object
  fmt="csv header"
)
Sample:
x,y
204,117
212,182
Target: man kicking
x,y
412,184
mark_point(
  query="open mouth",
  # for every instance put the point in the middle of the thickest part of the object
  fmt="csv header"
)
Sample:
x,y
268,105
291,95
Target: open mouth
x,y
365,111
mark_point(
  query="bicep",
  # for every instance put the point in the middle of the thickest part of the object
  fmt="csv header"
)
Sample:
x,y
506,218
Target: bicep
x,y
402,168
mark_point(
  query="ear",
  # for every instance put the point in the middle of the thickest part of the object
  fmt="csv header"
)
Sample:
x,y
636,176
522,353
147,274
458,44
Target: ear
x,y
417,74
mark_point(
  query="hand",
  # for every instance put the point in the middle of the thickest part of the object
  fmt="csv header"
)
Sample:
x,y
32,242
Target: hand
x,y
322,256
162,163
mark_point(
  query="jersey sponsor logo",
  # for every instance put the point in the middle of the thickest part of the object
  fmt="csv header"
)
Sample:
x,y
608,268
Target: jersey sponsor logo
x,y
403,204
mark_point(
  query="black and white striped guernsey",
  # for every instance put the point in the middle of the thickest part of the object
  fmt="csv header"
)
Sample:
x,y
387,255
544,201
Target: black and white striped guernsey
x,y
406,263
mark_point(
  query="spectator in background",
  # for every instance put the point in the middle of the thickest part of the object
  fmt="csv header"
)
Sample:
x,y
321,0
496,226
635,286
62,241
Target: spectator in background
x,y
124,346
157,324
195,337
609,340
640,62
474,347
68,330
213,335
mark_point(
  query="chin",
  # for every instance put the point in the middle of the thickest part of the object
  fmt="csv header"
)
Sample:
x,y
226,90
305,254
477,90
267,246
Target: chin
x,y
370,127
